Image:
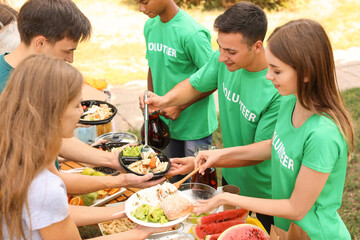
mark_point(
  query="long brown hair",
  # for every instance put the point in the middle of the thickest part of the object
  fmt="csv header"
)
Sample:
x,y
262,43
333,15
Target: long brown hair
x,y
32,106
304,45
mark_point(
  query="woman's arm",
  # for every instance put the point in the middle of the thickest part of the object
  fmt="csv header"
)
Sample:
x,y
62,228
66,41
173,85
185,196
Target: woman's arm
x,y
308,187
235,156
81,184
67,229
75,150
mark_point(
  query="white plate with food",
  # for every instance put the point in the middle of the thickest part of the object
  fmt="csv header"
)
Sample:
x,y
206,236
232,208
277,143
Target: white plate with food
x,y
158,206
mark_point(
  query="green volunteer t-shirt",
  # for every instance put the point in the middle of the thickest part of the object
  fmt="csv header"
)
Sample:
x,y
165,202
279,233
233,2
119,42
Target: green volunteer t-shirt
x,y
248,105
5,71
176,50
319,145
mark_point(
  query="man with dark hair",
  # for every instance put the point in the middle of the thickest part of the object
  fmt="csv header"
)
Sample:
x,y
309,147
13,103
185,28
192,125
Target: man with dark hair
x,y
54,28
9,35
46,27
248,102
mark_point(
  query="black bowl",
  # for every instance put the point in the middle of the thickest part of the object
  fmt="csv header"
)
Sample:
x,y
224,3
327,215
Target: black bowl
x,y
90,103
125,161
108,146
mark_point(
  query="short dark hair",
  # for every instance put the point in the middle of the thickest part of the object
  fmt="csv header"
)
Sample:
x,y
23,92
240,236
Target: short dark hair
x,y
244,18
7,15
54,19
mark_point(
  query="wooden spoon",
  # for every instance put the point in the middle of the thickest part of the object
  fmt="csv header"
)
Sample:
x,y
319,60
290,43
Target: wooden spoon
x,y
178,183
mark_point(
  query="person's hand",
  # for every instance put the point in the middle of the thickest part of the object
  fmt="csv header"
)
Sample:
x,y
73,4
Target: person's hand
x,y
171,112
208,158
132,180
181,166
115,156
155,102
151,230
205,206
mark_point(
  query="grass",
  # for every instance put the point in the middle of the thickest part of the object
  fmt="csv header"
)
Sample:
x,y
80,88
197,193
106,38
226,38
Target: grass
x,y
350,209
116,51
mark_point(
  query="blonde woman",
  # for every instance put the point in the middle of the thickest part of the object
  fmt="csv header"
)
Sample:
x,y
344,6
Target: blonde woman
x,y
312,141
39,107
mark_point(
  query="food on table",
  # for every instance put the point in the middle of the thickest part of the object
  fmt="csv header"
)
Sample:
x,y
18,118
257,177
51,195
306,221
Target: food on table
x,y
256,222
245,232
200,231
97,173
175,206
76,201
99,112
88,171
89,198
132,151
232,214
105,170
102,194
116,226
113,191
148,213
92,172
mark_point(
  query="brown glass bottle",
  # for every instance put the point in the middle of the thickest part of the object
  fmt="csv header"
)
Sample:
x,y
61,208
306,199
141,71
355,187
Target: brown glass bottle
x,y
209,178
159,134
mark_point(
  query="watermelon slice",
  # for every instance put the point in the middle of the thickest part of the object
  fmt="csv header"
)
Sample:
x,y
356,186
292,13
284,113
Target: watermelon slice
x,y
232,214
200,231
212,237
244,232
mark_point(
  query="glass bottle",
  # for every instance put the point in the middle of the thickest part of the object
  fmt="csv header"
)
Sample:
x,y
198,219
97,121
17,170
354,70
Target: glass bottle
x,y
159,134
210,176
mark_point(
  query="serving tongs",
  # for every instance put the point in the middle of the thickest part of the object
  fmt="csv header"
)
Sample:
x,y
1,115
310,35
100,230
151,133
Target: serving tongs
x,y
146,148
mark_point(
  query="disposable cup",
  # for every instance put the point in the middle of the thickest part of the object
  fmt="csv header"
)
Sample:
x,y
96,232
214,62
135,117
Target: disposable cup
x,y
230,189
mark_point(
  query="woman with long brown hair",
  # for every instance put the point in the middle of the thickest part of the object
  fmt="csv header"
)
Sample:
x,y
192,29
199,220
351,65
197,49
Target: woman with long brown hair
x,y
312,142
41,105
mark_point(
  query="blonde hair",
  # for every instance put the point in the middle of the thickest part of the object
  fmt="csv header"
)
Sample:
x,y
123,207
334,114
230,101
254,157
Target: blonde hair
x,y
304,45
32,105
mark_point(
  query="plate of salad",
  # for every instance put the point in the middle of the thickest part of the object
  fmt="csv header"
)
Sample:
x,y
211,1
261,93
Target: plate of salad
x,y
144,208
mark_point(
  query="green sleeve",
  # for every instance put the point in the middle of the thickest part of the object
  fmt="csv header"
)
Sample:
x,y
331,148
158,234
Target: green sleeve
x,y
198,48
206,78
322,148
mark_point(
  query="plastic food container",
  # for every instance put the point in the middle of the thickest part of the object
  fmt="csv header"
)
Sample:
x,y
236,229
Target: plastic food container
x,y
126,161
89,103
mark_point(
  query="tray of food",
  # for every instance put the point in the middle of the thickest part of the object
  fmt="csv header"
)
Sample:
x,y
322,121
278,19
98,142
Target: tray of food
x,y
134,162
97,112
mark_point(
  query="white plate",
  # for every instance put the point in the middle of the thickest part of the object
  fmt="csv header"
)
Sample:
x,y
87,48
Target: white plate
x,y
102,201
129,207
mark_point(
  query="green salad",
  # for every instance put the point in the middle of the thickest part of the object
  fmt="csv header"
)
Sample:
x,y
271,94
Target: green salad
x,y
132,151
148,213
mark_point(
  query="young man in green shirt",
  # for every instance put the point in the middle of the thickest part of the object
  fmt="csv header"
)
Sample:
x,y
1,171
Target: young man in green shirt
x,y
248,103
176,47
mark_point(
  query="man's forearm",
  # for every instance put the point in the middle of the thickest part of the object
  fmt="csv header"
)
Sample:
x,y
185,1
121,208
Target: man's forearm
x,y
183,94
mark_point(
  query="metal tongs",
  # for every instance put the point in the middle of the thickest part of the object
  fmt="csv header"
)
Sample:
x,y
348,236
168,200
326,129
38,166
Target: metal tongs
x,y
146,147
